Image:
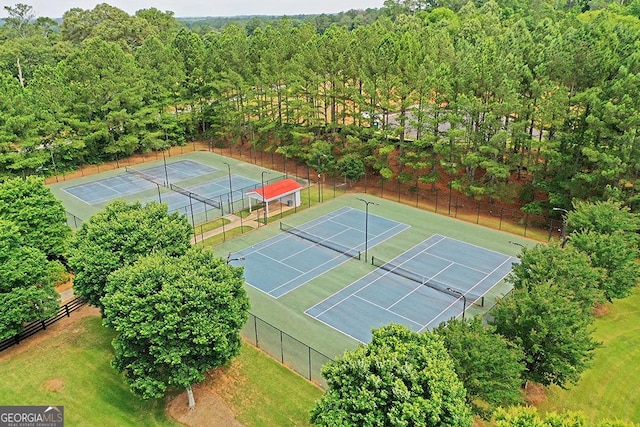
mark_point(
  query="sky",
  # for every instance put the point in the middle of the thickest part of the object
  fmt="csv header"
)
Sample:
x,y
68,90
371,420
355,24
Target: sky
x,y
199,8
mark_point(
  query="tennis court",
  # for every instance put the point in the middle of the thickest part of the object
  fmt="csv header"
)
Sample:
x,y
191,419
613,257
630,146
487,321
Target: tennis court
x,y
138,180
287,261
204,197
420,288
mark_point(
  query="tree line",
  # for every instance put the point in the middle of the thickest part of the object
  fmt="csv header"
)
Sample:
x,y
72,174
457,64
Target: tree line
x,y
529,103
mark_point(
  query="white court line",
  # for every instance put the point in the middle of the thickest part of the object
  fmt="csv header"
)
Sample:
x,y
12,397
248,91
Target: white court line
x,y
389,311
338,256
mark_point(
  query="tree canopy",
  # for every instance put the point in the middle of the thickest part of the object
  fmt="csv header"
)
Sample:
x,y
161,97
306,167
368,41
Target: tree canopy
x,y
118,236
39,216
400,378
176,318
489,366
552,330
497,100
573,273
27,282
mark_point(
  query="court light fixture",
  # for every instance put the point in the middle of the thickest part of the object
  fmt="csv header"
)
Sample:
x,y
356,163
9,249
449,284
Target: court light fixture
x,y
230,187
366,225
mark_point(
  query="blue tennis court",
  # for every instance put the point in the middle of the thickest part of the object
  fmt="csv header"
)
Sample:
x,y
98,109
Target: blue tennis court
x,y
217,191
282,263
420,289
119,186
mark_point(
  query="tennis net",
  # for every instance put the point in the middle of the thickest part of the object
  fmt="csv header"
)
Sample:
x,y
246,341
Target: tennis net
x,y
433,284
144,176
203,199
350,252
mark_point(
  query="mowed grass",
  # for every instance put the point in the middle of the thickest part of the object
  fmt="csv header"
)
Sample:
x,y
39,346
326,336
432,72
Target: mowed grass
x,y
266,393
73,369
609,389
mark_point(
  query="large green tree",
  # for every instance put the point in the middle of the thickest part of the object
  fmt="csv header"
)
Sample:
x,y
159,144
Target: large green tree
x,y
489,366
551,328
118,236
400,378
573,273
176,318
615,256
604,217
27,286
39,216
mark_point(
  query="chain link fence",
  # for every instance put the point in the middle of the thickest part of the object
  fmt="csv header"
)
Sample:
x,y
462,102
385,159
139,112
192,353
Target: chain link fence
x,y
288,350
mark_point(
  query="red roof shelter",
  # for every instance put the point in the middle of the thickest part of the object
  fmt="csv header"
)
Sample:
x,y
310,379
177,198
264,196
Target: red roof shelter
x,y
287,191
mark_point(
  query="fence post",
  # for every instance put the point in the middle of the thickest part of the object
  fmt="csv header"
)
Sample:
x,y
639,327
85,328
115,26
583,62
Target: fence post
x,y
66,309
501,213
309,362
44,325
255,328
526,223
281,348
478,213
436,207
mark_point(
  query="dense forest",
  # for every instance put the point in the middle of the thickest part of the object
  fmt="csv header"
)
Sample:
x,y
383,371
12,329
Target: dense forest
x,y
530,102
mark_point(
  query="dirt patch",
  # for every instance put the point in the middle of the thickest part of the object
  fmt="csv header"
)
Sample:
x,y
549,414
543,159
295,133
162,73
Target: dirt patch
x,y
210,410
54,384
534,394
64,286
600,310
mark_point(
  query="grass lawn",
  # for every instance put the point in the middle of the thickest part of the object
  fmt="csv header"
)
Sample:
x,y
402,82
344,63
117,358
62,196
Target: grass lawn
x,y
265,393
609,389
71,368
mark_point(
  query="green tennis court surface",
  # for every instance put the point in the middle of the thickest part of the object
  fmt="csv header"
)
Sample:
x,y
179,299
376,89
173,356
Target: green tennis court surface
x,y
283,263
420,288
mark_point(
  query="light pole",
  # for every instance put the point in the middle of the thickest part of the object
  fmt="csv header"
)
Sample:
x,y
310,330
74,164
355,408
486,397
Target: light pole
x,y
464,299
563,232
319,176
164,159
230,187
366,226
264,201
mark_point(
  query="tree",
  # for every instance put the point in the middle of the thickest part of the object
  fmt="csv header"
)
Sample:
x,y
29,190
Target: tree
x,y
117,237
489,366
27,287
176,318
351,167
39,216
552,330
604,217
401,378
572,274
615,256
20,16
527,416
